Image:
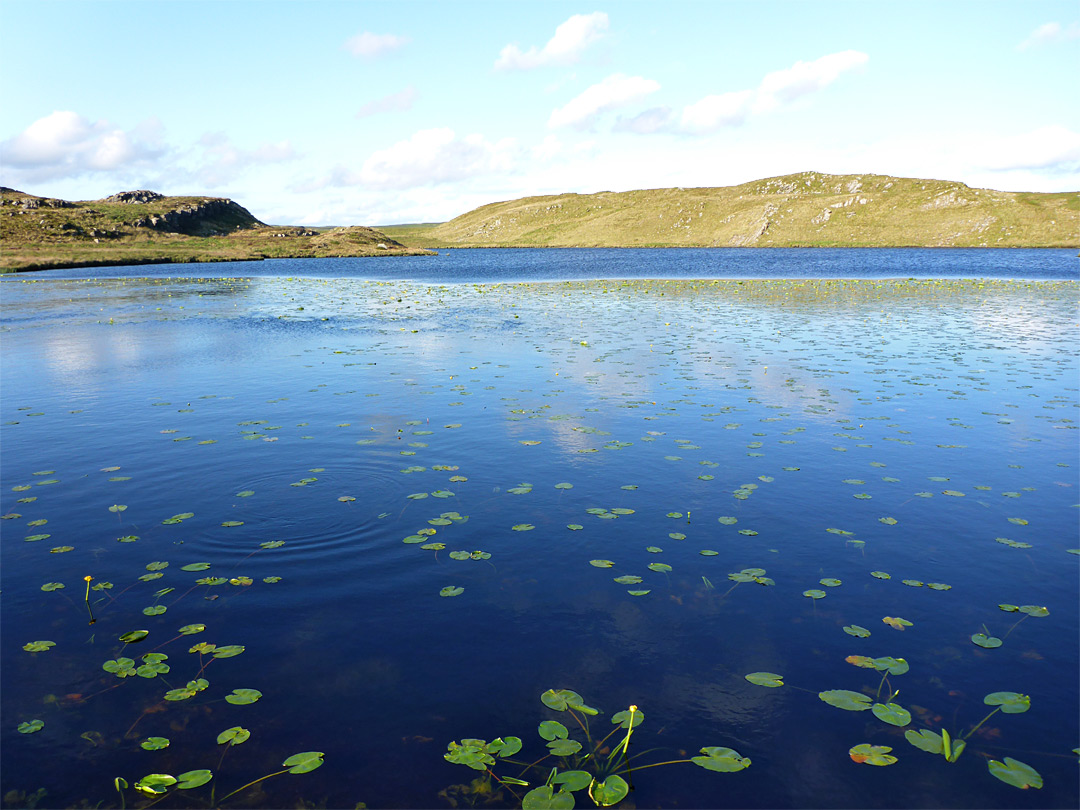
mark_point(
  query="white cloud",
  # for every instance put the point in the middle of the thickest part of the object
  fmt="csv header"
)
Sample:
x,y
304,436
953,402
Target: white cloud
x,y
400,101
714,112
805,78
570,41
617,90
655,119
1050,33
431,157
367,45
66,144
216,160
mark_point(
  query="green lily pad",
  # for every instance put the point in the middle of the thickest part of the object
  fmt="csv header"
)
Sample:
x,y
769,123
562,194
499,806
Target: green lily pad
x,y
572,780
727,521
770,679
611,791
574,527
888,521
564,485
155,743
912,583
154,610
155,784
134,636
451,590
228,651
193,779
1015,773
1034,610
628,579
872,754
708,552
272,544
814,593
233,736
546,798
639,592
830,582
983,640
856,630
722,760
846,699
938,586
191,629
623,719
31,726
552,730
562,699
925,740
305,762
231,523
523,527
564,748
242,697
891,713
1010,702
601,563
199,566
661,567
880,575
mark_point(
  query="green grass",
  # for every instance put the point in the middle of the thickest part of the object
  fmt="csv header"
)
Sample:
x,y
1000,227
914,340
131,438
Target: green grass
x,y
800,210
56,233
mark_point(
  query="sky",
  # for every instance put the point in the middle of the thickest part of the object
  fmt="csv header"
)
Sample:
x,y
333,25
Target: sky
x,y
376,113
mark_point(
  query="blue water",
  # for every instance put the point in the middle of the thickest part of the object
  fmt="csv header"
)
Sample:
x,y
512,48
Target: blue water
x,y
794,405
508,265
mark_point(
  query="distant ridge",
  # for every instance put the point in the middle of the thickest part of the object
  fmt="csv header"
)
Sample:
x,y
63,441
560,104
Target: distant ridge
x,y
144,227
808,209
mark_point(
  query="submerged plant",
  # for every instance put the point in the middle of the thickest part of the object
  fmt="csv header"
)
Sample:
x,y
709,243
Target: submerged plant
x,y
606,772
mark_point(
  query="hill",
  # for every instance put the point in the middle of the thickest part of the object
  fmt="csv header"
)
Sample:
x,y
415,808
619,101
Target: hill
x,y
143,227
798,210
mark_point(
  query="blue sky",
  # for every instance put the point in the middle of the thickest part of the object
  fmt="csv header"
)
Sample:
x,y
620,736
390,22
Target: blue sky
x,y
377,113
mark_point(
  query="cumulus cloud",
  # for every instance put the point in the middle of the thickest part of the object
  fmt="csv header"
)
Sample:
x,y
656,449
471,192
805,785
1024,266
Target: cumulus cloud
x,y
1052,148
395,102
66,144
216,160
714,112
805,78
1049,34
570,41
655,119
617,90
431,157
367,45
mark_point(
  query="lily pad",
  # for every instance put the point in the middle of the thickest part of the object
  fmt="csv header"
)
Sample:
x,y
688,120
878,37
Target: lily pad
x,y
155,784
154,743
233,736
872,754
661,567
611,791
1010,702
722,760
552,730
601,563
305,762
814,593
770,679
628,579
31,726
193,779
846,699
623,719
451,590
1016,773
242,697
891,713
983,640
856,630
545,797
134,636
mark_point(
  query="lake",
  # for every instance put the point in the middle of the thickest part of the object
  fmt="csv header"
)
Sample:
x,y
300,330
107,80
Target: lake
x,y
805,511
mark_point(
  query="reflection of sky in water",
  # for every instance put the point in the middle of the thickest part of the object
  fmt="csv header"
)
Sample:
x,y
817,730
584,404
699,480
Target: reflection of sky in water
x,y
200,389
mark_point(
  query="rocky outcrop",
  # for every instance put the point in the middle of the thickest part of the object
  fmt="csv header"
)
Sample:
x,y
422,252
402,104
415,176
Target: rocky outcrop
x,y
206,218
134,197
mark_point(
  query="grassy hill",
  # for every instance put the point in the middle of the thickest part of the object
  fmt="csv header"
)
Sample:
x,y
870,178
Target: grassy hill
x,y
798,210
142,227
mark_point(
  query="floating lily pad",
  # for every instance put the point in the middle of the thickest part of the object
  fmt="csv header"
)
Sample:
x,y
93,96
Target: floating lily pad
x,y
661,567
572,780
31,726
552,730
52,586
880,575
723,760
155,743
983,640
523,527
601,563
233,736
938,586
134,636
872,754
846,699
1015,773
193,779
242,697
155,784
856,630
896,622
830,582
1034,610
770,679
814,593
628,579
892,713
303,763
562,699
1010,702
39,646
545,797
609,792
451,590
623,719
